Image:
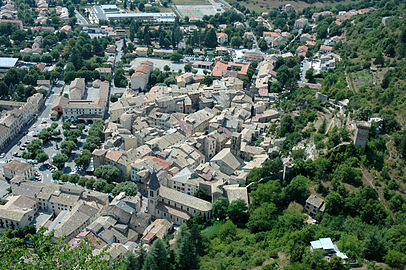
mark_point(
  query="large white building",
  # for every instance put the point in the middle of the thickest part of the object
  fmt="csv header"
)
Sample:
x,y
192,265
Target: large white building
x,y
112,12
88,109
19,211
17,168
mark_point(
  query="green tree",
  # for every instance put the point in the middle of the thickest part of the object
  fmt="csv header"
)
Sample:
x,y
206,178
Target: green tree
x,y
287,126
297,190
237,212
59,161
336,263
220,208
49,254
310,75
128,187
89,183
210,39
395,259
188,68
45,136
65,178
186,253
157,257
113,98
135,260
42,157
83,160
99,184
374,246
262,218
57,175
270,192
262,44
108,172
236,42
379,60
119,79
227,231
322,30
175,57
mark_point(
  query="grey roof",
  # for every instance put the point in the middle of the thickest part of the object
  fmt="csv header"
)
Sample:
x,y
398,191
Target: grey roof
x,y
8,62
154,182
184,175
315,201
184,199
124,206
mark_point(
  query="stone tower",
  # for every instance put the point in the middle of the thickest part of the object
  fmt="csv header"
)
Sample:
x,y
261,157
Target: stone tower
x,y
361,134
236,143
153,193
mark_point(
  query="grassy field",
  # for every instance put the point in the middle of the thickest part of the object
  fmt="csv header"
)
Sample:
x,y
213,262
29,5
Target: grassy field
x,y
265,5
190,2
362,78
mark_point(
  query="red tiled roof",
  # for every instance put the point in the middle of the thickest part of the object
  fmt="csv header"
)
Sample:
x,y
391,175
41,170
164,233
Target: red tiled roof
x,y
221,67
114,155
327,48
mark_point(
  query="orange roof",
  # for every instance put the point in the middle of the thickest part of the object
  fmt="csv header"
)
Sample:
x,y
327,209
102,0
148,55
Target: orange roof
x,y
222,67
114,155
311,43
141,49
149,237
221,34
198,78
163,163
272,34
327,48
139,74
302,48
143,68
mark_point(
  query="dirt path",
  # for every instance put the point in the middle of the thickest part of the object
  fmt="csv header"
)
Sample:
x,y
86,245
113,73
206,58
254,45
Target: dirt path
x,y
349,82
368,179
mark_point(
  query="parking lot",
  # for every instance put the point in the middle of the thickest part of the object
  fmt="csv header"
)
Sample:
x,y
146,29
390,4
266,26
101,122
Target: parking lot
x,y
160,63
19,144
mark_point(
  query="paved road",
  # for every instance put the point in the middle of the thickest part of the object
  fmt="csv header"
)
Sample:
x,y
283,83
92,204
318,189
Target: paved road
x,y
230,6
287,46
81,20
306,64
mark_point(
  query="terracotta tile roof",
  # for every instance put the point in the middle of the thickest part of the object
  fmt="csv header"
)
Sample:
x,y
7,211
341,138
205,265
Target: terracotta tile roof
x,y
222,67
114,155
17,166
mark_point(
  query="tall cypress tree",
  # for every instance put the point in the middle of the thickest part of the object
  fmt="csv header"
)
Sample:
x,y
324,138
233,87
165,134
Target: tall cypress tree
x,y
157,257
187,256
211,38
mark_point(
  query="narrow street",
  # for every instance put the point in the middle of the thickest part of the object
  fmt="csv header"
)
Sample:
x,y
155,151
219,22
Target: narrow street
x,y
81,20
